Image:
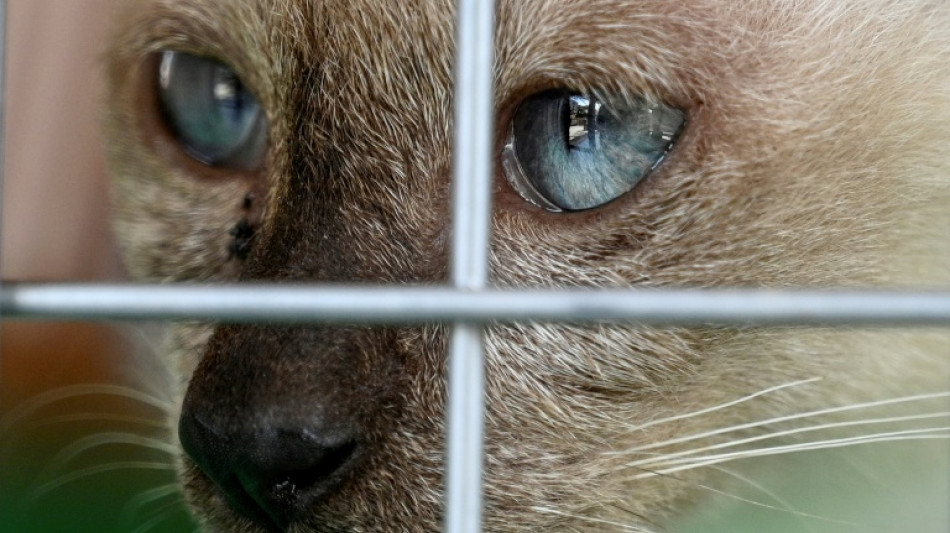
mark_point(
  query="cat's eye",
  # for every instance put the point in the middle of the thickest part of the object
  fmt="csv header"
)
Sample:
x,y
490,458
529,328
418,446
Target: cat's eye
x,y
212,114
571,151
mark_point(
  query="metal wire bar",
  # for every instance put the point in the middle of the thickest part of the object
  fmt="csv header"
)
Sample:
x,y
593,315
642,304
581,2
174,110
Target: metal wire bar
x,y
472,156
413,305
471,221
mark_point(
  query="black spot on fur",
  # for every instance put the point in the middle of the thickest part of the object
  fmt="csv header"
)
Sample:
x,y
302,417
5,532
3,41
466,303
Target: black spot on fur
x,y
243,233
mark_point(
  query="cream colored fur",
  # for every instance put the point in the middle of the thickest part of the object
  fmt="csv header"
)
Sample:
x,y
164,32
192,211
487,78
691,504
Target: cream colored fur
x,y
815,156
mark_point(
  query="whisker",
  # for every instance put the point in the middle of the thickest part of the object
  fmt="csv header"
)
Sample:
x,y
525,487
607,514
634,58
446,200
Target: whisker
x,y
96,417
137,502
54,484
638,516
39,401
164,513
786,418
707,460
785,507
594,520
726,405
795,431
90,442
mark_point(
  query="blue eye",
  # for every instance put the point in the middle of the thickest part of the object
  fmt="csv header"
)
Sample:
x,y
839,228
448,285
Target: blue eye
x,y
214,117
570,152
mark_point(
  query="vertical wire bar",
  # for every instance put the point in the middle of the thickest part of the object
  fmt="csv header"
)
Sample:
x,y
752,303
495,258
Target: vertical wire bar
x,y
471,208
472,164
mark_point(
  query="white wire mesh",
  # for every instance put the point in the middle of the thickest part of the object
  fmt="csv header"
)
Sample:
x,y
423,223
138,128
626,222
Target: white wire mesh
x,y
468,304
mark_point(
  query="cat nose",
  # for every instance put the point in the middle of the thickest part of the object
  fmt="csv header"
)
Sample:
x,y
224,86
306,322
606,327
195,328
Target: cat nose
x,y
271,473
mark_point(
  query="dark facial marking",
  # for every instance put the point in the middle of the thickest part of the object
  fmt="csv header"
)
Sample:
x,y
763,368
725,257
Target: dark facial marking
x,y
243,233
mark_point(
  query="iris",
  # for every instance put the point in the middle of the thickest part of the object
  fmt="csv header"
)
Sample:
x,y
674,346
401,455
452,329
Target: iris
x,y
569,151
214,117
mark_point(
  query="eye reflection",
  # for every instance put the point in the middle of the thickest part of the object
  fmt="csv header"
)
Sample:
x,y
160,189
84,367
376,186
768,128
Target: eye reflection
x,y
582,133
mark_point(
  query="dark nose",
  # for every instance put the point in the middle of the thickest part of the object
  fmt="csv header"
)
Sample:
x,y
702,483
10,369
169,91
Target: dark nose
x,y
274,471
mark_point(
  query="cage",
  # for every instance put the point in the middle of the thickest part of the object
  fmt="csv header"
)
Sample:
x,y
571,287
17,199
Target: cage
x,y
469,302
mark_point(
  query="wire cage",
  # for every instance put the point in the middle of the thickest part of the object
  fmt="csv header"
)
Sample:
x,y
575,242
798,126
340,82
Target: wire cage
x,y
469,302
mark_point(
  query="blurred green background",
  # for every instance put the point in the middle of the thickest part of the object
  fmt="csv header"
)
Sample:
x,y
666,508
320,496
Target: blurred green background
x,y
75,457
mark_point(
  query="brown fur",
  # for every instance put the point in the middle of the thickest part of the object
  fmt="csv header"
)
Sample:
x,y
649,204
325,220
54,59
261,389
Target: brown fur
x,y
814,156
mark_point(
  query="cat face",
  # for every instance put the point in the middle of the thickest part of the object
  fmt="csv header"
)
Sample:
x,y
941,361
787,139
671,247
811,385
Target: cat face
x,y
638,144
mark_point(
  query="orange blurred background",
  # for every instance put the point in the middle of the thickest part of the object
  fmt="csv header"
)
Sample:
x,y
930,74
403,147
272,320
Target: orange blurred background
x,y
55,197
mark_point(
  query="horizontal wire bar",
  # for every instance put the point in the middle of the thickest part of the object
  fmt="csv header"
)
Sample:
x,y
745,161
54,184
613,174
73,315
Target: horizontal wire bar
x,y
421,304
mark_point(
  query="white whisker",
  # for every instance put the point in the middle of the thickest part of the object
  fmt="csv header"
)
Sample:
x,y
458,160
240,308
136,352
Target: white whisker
x,y
785,507
794,431
707,460
150,524
90,442
594,520
786,418
39,401
54,484
724,405
136,503
96,417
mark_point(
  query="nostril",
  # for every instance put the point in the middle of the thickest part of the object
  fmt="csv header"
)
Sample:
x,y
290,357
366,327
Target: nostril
x,y
269,474
290,470
326,462
283,489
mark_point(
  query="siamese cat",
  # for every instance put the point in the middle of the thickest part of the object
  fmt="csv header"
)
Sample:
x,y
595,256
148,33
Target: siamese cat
x,y
639,144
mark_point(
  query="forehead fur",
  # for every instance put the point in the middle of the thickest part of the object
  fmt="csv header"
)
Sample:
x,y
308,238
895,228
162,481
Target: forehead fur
x,y
359,96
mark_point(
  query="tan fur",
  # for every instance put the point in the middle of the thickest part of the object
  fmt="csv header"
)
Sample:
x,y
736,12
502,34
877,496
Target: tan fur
x,y
815,156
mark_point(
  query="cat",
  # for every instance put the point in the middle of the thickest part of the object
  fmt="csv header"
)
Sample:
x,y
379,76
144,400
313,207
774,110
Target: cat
x,y
641,144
